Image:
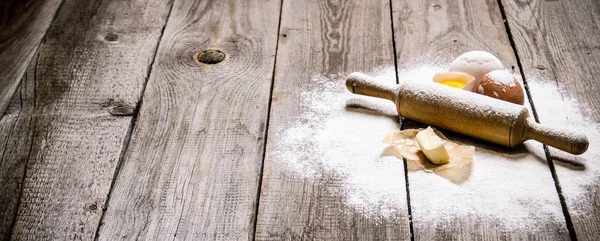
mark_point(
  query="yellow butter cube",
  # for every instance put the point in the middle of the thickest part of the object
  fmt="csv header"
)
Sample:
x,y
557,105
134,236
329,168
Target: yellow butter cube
x,y
432,146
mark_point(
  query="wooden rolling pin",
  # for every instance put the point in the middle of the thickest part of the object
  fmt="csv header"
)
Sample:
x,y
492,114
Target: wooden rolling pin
x,y
468,113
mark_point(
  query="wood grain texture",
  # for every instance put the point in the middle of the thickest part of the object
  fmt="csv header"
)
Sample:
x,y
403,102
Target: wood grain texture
x,y
193,165
88,80
301,197
482,207
559,50
22,27
15,144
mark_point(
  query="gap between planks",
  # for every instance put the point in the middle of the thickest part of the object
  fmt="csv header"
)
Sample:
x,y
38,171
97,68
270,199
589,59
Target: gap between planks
x,y
551,167
401,124
33,67
132,123
2,111
19,88
266,130
563,203
11,88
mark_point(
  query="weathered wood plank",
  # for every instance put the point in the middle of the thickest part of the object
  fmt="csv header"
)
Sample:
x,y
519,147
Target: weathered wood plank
x,y
313,185
494,198
15,144
22,27
88,79
193,165
559,48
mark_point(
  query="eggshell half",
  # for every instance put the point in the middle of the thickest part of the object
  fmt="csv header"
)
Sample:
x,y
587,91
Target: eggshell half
x,y
458,76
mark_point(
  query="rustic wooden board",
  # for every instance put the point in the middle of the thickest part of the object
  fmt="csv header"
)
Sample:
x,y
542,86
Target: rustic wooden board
x,y
494,197
192,168
304,195
22,27
558,47
88,79
15,144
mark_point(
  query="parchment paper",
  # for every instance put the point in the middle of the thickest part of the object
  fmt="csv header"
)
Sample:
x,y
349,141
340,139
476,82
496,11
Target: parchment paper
x,y
406,144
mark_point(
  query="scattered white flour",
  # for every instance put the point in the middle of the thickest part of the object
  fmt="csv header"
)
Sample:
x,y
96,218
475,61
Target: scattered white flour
x,y
501,77
418,74
556,109
514,190
327,139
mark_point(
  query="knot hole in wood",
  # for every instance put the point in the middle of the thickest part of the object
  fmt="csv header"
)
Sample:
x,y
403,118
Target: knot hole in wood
x,y
210,56
111,37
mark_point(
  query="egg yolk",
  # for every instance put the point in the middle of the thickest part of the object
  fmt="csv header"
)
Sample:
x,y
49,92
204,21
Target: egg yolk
x,y
453,83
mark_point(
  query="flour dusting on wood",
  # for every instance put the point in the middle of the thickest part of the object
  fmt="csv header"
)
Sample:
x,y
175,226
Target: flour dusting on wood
x,y
332,137
576,174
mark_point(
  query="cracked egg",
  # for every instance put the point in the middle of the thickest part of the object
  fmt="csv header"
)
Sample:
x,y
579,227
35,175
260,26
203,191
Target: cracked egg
x,y
455,79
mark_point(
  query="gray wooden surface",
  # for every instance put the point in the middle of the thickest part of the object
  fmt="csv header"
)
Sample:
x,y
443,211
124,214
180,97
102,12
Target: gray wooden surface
x,y
322,37
116,131
192,168
558,44
435,33
23,24
15,136
88,77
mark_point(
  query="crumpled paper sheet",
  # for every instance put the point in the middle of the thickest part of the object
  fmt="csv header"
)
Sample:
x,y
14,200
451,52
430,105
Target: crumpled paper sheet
x,y
406,144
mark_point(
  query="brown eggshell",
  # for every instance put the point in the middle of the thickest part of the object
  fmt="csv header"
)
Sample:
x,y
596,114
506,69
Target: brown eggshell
x,y
501,85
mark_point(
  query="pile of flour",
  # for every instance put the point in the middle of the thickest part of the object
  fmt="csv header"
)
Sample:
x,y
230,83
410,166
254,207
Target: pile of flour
x,y
336,135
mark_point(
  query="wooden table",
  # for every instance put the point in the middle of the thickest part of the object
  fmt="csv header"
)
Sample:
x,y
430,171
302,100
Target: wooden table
x,y
122,120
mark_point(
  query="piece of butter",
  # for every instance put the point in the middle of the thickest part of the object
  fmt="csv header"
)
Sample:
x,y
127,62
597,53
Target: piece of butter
x,y
432,146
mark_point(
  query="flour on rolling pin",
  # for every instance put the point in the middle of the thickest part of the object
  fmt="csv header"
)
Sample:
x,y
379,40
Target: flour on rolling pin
x,y
468,113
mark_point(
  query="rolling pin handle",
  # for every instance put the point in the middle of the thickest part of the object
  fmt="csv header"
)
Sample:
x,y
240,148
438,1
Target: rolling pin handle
x,y
572,142
362,84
